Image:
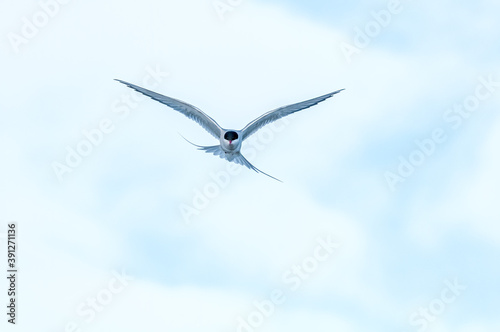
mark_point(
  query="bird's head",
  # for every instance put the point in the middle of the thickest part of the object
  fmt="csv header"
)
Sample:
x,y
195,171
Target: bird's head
x,y
231,140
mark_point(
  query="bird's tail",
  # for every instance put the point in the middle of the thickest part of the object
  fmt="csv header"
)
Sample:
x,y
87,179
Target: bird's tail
x,y
239,159
235,158
214,149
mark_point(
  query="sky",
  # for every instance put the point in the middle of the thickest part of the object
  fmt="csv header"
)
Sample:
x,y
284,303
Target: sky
x,y
387,218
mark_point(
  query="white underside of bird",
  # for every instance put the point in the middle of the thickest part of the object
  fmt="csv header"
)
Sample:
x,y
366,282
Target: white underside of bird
x,y
230,140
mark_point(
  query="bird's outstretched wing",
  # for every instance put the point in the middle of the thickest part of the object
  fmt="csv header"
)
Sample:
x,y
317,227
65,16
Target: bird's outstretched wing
x,y
278,113
188,110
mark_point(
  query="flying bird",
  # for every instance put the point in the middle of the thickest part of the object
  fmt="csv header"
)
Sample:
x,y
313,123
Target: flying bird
x,y
230,140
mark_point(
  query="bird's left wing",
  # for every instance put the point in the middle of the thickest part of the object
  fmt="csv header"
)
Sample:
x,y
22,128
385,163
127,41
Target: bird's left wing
x,y
188,110
278,113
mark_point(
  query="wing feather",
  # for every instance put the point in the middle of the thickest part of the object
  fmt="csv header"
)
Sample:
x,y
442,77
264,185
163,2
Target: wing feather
x,y
188,110
281,112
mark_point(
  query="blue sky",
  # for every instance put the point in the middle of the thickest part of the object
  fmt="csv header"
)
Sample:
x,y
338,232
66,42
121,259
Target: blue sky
x,y
200,244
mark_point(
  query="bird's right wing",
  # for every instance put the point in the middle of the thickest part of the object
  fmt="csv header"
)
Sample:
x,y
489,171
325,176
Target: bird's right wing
x,y
188,110
278,113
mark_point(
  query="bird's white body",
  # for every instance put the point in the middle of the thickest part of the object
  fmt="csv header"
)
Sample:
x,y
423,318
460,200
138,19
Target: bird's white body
x,y
230,140
230,146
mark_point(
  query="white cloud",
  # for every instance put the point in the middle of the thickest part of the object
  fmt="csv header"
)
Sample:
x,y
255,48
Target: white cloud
x,y
469,201
75,233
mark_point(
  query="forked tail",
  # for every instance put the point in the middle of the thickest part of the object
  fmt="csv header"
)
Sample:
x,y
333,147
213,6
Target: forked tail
x,y
232,157
239,159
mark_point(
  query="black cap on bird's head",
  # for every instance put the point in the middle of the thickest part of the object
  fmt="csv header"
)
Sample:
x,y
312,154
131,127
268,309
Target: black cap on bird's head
x,y
231,136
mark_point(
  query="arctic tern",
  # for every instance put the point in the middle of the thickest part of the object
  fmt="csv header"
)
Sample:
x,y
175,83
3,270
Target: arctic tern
x,y
230,140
